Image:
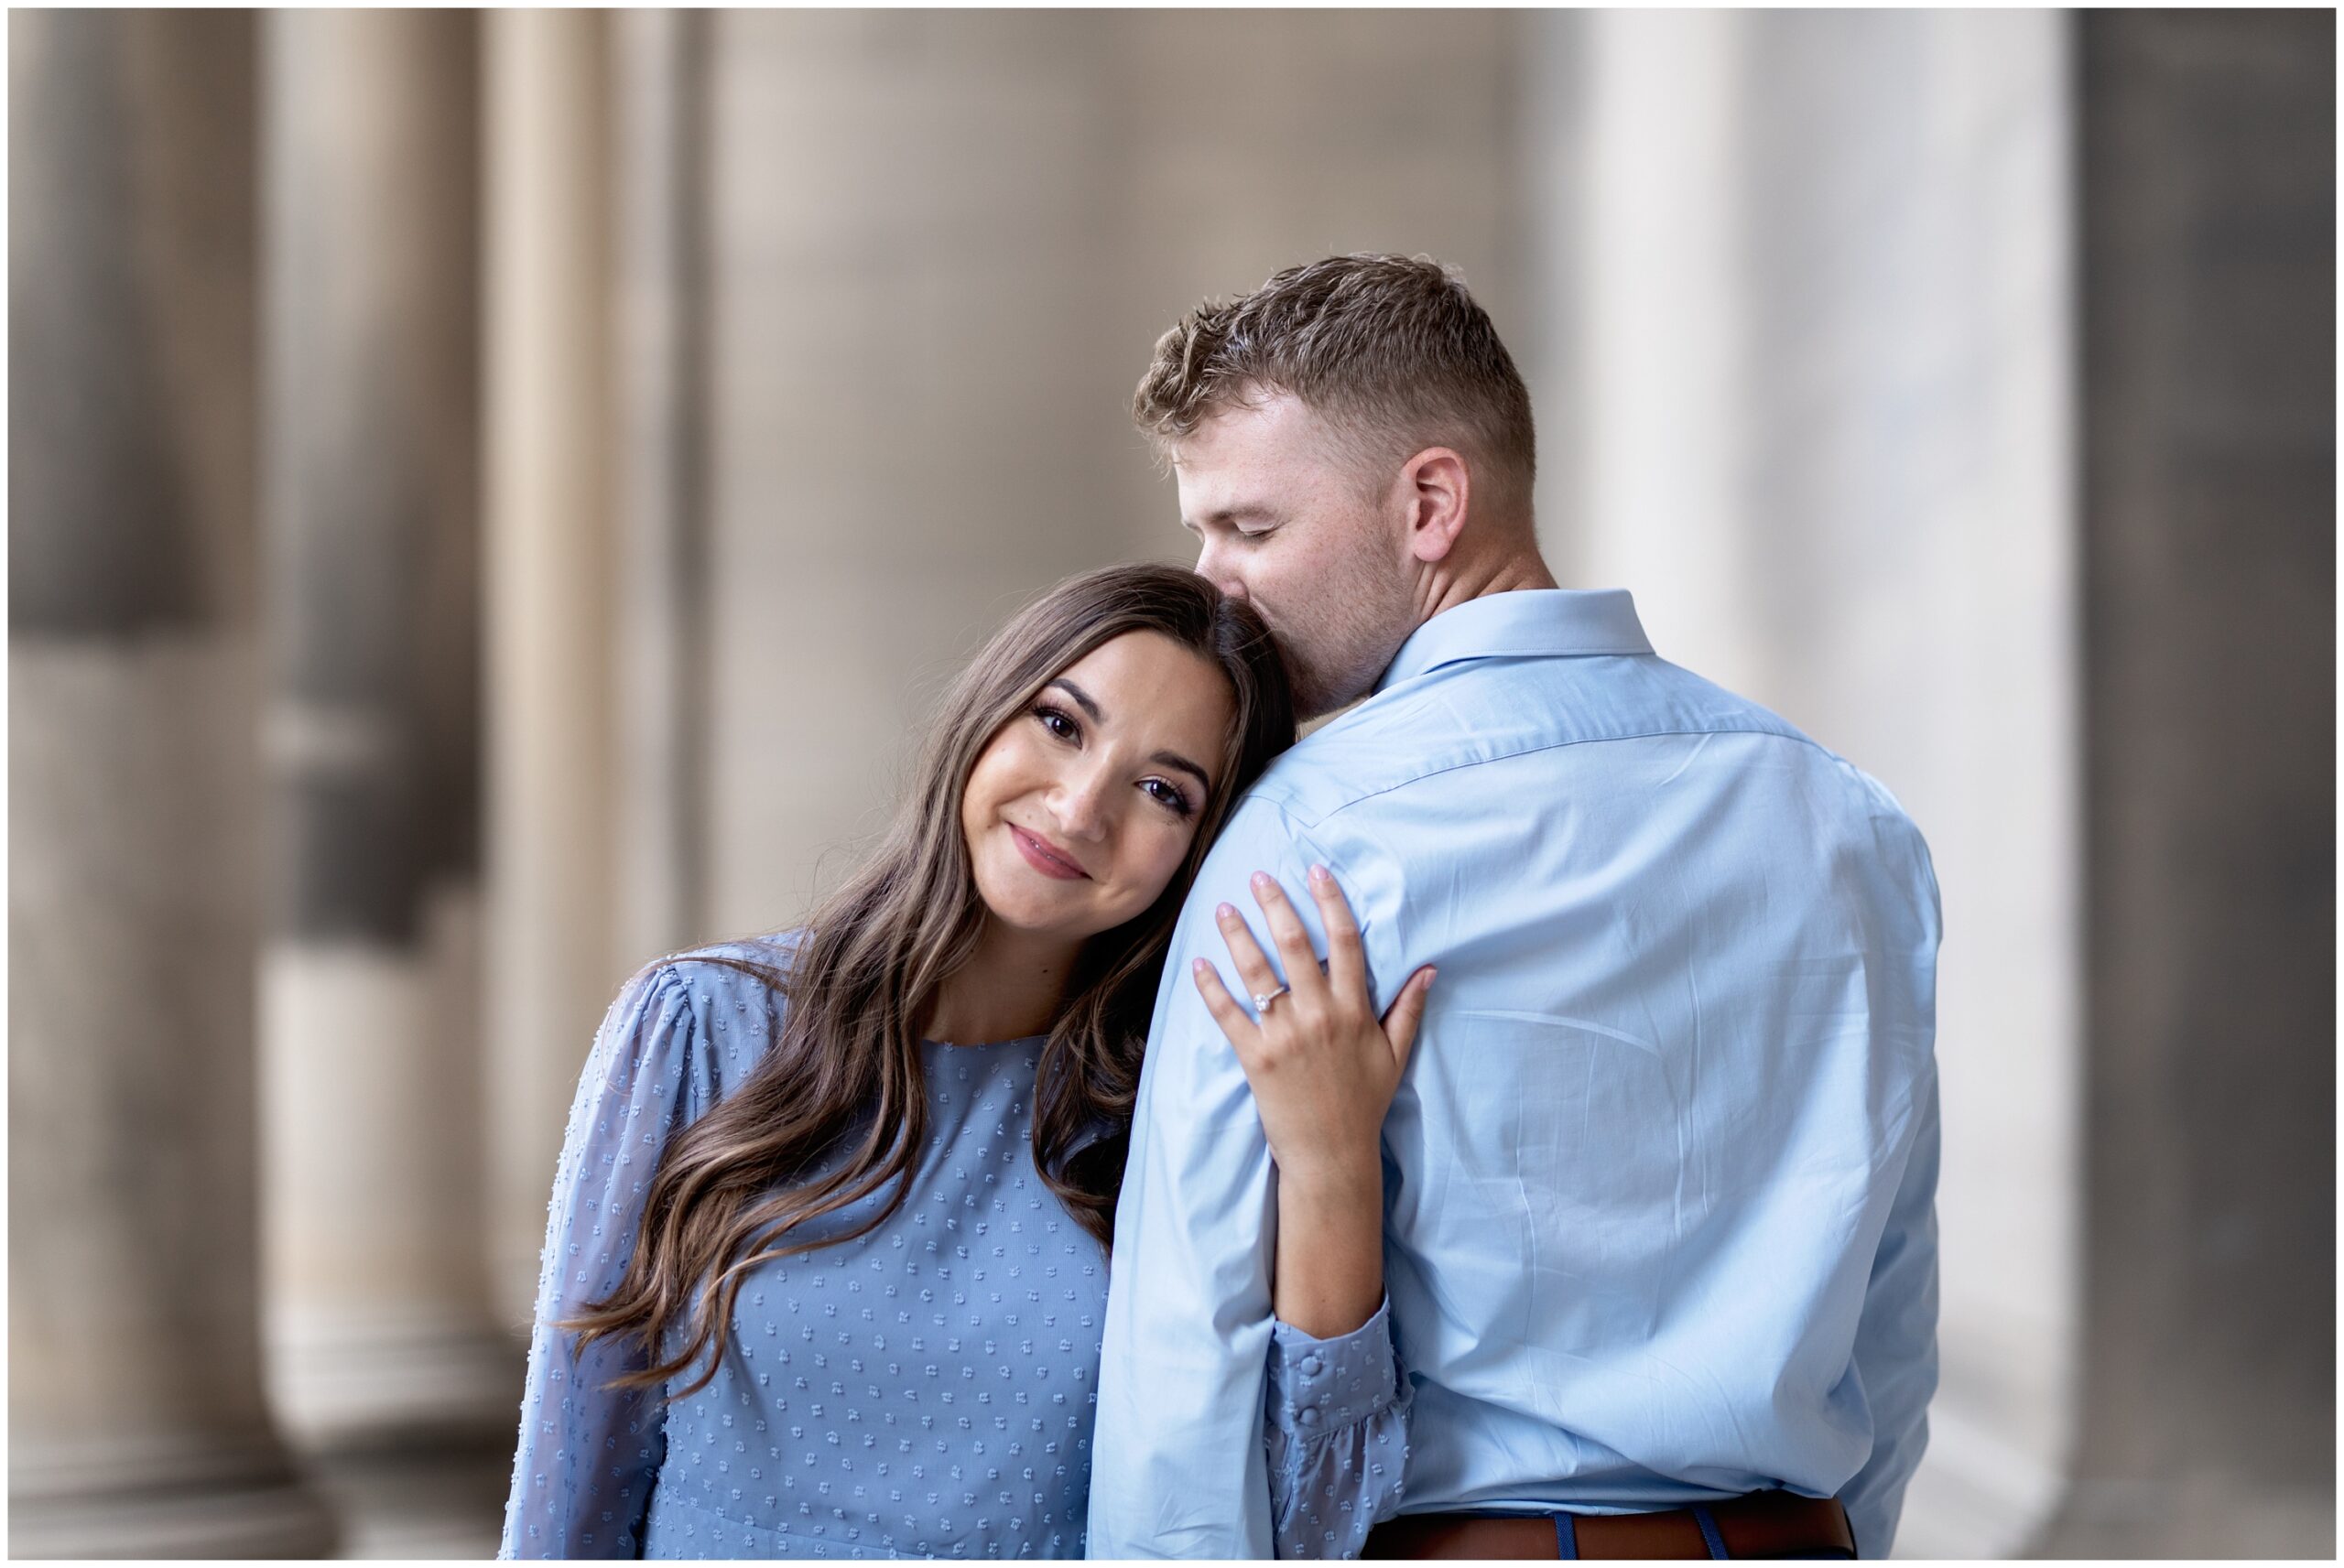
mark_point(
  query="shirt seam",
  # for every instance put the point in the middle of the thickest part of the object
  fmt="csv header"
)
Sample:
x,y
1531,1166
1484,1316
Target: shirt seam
x,y
1284,801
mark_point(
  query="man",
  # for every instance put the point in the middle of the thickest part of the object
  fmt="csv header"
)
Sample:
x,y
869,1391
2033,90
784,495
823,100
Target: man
x,y
1659,1178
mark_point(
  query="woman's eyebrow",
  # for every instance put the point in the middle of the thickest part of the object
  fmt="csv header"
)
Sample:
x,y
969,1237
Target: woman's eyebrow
x,y
1082,700
1168,758
1174,760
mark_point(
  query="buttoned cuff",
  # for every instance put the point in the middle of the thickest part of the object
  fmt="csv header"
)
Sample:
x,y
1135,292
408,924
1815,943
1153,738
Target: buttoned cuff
x,y
1317,1385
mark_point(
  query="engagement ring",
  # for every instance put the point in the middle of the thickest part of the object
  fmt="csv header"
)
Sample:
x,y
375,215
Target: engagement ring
x,y
1262,1000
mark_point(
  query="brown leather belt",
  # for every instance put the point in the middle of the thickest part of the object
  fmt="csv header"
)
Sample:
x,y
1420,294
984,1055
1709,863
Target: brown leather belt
x,y
1762,1524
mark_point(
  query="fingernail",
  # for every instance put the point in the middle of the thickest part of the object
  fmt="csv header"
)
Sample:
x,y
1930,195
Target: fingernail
x,y
1260,879
1198,966
1430,973
1317,873
1227,911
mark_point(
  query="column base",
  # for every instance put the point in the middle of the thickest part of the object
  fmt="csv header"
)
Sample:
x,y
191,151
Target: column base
x,y
2203,1516
364,1381
187,1498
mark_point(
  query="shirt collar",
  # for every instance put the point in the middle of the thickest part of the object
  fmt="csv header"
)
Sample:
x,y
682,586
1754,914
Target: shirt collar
x,y
1538,622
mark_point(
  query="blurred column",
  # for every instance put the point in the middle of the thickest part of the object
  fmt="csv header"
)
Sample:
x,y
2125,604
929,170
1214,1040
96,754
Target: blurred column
x,y
377,1287
550,967
2208,281
660,112
1811,302
137,1424
915,404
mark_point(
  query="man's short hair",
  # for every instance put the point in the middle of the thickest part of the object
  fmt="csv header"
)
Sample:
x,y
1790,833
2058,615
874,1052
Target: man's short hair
x,y
1390,350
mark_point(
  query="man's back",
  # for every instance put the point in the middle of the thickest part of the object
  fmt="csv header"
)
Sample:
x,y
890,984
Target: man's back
x,y
1676,1075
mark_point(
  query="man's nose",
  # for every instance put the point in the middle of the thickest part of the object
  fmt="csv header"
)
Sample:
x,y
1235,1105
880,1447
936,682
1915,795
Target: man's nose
x,y
1212,564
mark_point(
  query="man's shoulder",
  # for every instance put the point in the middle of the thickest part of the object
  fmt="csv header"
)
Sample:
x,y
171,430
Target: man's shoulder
x,y
1553,713
1404,778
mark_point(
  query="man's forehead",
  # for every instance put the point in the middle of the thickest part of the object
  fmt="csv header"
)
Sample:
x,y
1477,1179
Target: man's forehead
x,y
1213,492
1280,437
1250,415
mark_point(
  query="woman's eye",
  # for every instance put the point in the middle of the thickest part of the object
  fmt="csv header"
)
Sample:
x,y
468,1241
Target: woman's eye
x,y
1169,796
1058,723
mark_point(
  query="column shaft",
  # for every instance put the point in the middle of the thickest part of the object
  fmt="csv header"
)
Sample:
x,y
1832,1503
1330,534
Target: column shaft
x,y
378,1297
136,1417
659,603
2207,278
551,964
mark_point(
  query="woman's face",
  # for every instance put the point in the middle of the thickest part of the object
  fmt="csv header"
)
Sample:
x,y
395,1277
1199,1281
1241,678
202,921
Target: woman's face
x,y
1079,809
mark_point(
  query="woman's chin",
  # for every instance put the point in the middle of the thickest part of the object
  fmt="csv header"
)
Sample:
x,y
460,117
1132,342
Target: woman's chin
x,y
1017,910
1039,920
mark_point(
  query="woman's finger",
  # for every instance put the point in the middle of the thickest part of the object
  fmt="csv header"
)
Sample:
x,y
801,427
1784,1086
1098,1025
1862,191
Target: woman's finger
x,y
1302,972
1253,967
1407,1011
1243,1033
1346,961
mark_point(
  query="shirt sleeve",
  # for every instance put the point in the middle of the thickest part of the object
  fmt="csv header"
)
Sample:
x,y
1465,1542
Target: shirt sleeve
x,y
1337,1438
588,1454
1897,1340
1180,1456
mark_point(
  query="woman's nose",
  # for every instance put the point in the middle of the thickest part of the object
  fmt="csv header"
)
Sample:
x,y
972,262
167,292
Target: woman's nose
x,y
1080,803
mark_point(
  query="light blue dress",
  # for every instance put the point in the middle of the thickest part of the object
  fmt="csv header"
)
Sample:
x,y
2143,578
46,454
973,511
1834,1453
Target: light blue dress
x,y
924,1390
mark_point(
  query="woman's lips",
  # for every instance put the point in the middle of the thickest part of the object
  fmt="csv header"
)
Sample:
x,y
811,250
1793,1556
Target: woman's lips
x,y
1044,859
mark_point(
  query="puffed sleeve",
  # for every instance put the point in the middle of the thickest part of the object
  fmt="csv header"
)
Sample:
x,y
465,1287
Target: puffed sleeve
x,y
1336,1426
583,1469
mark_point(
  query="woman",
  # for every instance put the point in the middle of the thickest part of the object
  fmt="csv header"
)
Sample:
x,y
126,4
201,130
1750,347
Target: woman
x,y
826,1265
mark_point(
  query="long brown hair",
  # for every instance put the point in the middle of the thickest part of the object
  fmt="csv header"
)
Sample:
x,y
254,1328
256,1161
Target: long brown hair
x,y
845,1072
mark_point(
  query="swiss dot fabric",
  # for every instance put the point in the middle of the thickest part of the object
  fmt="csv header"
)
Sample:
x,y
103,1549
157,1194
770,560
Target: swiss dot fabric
x,y
1337,1437
923,1391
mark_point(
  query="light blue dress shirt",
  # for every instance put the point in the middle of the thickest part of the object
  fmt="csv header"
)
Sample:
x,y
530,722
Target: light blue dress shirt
x,y
1660,1177
923,1391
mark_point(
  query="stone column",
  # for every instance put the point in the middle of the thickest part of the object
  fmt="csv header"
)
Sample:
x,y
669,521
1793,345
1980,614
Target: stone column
x,y
378,1306
1810,323
551,965
661,110
2208,275
137,1424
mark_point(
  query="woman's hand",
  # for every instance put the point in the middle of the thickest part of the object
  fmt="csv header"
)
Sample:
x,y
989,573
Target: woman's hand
x,y
1323,1070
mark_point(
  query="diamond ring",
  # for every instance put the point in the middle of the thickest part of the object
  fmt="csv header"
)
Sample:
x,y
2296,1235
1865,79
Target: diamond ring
x,y
1262,1000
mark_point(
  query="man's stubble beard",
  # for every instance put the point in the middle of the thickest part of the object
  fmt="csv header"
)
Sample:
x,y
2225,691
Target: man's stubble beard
x,y
1316,696
1347,649
1363,607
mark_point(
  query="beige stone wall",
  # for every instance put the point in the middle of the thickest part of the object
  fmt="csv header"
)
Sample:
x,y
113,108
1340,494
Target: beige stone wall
x,y
943,246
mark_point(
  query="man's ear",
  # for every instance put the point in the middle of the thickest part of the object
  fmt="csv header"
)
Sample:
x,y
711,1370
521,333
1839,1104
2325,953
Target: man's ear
x,y
1438,488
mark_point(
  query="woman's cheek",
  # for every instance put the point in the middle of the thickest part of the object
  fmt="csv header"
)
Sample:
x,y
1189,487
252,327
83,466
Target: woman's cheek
x,y
1170,852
